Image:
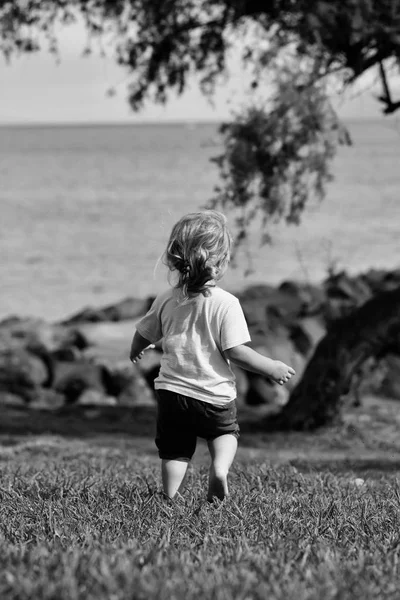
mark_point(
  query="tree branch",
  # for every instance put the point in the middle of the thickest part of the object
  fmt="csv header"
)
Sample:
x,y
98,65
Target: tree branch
x,y
386,99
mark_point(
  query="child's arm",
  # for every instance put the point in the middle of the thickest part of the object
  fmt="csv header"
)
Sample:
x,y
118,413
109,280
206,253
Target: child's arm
x,y
249,359
139,344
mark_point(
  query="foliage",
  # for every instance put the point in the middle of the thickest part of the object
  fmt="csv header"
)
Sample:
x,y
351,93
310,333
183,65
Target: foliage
x,y
163,42
275,158
84,520
275,155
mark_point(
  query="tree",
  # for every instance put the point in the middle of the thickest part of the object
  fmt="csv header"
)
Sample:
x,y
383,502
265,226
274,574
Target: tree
x,y
278,153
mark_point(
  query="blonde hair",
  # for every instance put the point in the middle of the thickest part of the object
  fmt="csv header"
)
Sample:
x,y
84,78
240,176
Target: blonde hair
x,y
199,249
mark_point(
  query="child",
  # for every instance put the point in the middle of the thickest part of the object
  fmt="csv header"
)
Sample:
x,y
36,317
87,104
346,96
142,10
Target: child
x,y
202,329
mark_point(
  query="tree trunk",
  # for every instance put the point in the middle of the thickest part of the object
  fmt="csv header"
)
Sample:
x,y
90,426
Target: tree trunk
x,y
371,331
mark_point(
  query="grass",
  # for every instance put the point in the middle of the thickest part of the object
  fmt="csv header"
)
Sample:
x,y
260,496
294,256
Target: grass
x,y
83,517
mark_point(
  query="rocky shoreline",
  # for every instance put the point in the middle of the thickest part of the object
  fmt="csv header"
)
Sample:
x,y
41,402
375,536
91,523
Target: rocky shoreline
x,y
83,361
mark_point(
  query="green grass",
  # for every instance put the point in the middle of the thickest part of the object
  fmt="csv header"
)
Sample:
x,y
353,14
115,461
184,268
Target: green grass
x,y
84,518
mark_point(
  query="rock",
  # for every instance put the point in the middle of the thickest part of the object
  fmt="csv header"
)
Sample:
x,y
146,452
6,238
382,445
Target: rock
x,y
311,298
47,400
345,293
390,385
126,309
391,280
374,279
129,308
306,333
33,333
264,391
21,373
130,386
93,397
344,287
379,280
8,399
336,308
256,316
267,308
87,315
119,376
256,292
72,379
66,355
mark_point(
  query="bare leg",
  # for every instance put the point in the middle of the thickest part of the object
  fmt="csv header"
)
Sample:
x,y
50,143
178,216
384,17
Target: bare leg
x,y
173,475
222,450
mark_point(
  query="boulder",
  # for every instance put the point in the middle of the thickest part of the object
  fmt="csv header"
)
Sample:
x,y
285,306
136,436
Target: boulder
x,y
128,308
255,314
11,400
337,308
256,292
72,379
344,287
94,397
391,280
36,333
266,307
306,333
379,280
281,307
265,391
309,298
390,385
131,386
22,373
375,279
47,400
87,315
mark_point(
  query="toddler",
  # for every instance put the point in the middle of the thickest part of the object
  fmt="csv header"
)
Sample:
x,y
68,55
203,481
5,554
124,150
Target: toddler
x,y
203,330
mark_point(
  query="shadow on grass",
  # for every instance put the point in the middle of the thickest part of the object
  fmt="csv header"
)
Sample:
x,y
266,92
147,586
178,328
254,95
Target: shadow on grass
x,y
79,421
308,452
87,420
357,466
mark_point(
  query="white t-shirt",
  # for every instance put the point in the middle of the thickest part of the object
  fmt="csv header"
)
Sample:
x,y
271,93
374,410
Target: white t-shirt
x,y
194,334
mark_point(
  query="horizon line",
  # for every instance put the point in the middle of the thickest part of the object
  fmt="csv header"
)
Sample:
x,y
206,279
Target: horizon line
x,y
145,122
106,123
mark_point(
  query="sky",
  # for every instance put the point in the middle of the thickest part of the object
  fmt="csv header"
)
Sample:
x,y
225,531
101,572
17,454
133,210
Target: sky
x,y
37,89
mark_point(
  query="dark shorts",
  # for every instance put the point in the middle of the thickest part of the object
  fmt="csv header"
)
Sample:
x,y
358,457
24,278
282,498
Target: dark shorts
x,y
181,420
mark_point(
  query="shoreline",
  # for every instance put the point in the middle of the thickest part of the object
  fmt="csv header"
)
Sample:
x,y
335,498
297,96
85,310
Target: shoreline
x,y
83,360
97,301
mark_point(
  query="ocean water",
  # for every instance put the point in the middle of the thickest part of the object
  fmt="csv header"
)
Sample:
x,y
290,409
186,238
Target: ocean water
x,y
86,212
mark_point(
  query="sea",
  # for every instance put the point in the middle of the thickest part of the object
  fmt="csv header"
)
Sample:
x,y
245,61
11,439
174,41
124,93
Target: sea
x,y
86,211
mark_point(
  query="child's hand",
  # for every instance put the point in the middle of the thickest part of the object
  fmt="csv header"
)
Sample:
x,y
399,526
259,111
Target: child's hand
x,y
281,373
134,359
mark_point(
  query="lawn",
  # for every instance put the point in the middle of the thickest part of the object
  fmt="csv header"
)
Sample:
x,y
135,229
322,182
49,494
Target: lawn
x,y
310,516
